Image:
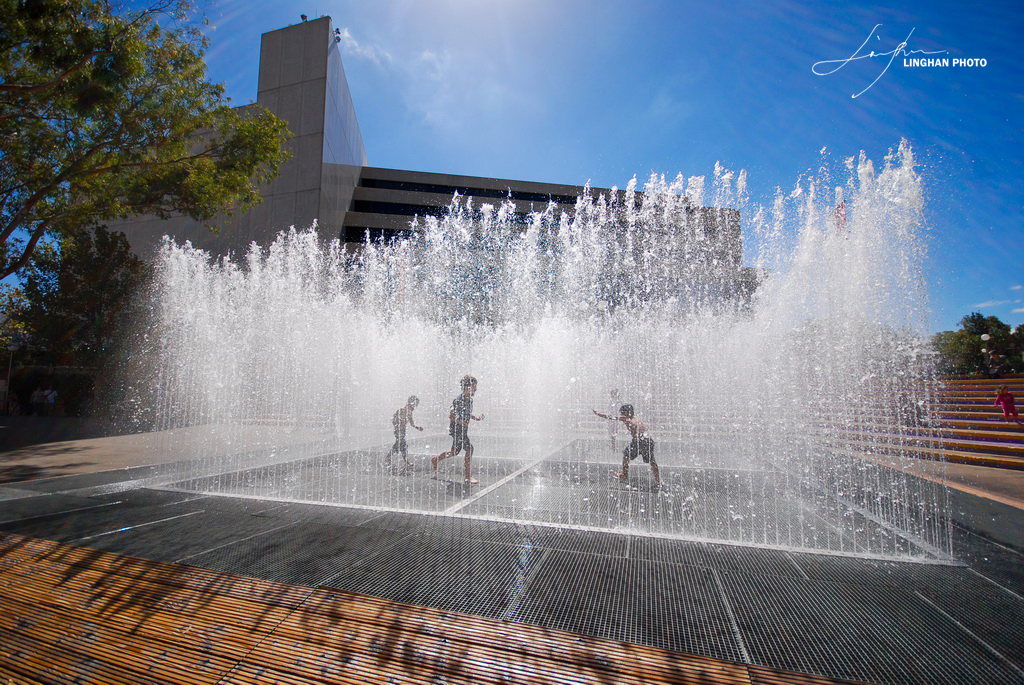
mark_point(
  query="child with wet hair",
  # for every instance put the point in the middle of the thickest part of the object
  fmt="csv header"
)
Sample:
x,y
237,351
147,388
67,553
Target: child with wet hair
x,y
641,445
458,427
401,418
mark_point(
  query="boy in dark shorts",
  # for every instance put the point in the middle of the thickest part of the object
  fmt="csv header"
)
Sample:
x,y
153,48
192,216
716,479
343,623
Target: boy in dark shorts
x,y
641,446
458,427
401,418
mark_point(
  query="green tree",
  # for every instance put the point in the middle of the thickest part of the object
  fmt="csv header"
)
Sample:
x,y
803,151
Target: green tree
x,y
106,114
77,296
961,350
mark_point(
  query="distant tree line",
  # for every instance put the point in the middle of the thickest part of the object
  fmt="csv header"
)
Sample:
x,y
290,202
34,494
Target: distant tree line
x,y
983,345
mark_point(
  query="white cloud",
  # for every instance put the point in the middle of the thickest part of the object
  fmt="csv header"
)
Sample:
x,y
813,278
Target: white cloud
x,y
458,94
368,52
990,303
438,92
1016,287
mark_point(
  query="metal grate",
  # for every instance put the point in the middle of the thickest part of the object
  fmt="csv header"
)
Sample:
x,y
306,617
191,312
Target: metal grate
x,y
991,613
306,553
1001,564
869,633
864,619
454,574
27,508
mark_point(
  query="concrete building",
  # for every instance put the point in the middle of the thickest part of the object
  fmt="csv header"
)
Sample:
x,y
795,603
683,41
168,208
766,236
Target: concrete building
x,y
302,80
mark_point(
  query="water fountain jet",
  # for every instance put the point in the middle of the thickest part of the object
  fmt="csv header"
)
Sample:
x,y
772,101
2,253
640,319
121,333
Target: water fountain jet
x,y
777,412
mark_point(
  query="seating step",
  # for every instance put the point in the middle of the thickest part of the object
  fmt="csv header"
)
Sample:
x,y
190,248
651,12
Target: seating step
x,y
933,453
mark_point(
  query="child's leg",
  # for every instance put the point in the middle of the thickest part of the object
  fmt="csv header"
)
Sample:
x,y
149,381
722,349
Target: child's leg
x,y
655,472
441,457
624,473
467,467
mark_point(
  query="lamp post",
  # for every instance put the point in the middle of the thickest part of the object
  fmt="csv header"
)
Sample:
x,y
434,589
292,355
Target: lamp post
x,y
12,348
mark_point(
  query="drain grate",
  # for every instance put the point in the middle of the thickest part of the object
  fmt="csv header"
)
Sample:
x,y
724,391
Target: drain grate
x,y
188,537
854,571
991,613
869,633
1001,564
454,574
19,513
307,553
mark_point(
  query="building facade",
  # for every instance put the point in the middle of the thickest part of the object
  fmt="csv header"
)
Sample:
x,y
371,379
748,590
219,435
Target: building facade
x,y
328,179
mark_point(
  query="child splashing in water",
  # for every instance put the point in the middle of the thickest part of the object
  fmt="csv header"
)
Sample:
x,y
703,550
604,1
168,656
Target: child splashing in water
x,y
458,427
401,418
641,446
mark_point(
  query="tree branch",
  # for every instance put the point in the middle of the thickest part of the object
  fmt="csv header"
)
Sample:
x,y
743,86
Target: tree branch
x,y
11,268
23,88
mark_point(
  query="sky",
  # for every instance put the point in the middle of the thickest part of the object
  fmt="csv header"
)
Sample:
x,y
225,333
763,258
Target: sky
x,y
599,91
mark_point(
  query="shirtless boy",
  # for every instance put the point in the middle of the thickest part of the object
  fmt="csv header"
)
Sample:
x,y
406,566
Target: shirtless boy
x,y
641,445
401,418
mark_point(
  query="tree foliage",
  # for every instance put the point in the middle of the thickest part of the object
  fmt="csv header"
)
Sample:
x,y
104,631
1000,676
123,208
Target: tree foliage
x,y
76,298
964,351
106,113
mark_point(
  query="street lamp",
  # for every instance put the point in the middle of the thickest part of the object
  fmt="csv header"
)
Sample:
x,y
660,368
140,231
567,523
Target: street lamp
x,y
12,348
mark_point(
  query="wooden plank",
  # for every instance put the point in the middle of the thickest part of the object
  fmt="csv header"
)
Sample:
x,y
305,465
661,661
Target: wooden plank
x,y
67,613
82,637
180,575
41,662
107,592
17,549
199,619
199,632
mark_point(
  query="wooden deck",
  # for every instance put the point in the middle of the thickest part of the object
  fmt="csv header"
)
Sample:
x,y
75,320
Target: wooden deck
x,y
74,615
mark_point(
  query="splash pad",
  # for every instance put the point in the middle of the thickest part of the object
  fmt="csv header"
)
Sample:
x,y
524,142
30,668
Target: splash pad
x,y
771,391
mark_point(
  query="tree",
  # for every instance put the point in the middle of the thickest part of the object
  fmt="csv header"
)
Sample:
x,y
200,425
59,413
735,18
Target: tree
x,y
106,115
961,351
77,294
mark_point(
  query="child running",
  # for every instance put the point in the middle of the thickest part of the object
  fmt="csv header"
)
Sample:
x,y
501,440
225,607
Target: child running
x,y
1004,399
641,446
458,427
401,418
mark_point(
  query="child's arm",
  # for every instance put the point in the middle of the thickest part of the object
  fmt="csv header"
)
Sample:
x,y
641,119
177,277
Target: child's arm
x,y
419,428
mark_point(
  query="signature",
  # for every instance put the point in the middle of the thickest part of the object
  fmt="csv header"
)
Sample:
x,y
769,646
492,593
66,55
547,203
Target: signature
x,y
856,55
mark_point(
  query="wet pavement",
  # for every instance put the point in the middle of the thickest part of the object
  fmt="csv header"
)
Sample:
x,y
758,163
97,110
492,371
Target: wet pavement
x,y
503,553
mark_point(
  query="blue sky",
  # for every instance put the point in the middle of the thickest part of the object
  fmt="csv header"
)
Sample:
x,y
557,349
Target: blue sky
x,y
571,91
